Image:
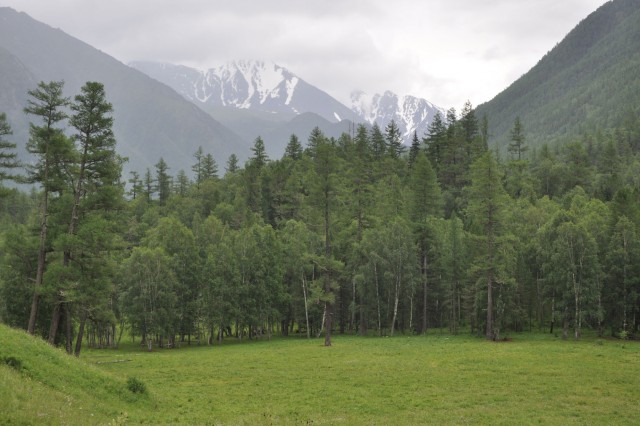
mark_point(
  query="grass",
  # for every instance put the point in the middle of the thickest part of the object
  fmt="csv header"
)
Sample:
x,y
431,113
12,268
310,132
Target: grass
x,y
437,379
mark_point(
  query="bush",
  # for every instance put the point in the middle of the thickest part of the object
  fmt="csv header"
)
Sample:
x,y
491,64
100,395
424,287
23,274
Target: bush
x,y
136,386
13,362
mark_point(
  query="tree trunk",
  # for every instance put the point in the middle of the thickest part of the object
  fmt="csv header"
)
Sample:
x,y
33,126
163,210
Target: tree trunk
x,y
42,258
327,278
306,306
55,323
375,273
424,294
83,321
67,312
396,299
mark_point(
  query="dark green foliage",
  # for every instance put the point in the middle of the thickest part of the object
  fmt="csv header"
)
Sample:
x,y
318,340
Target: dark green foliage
x,y
136,386
346,236
8,156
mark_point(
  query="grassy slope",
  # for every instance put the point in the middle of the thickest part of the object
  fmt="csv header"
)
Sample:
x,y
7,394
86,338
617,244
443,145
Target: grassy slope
x,y
53,388
404,380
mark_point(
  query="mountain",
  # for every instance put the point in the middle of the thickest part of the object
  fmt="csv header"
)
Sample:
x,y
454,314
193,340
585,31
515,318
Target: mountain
x,y
262,98
410,113
251,85
589,81
150,119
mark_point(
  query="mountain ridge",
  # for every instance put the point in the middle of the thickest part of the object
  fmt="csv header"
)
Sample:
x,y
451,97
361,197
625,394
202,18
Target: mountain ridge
x,y
150,119
588,82
266,87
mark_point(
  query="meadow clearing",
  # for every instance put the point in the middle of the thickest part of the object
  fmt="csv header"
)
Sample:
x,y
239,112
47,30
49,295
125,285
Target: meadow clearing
x,y
433,379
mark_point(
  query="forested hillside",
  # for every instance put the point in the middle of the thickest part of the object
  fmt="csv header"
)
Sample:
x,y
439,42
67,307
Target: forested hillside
x,y
348,235
587,82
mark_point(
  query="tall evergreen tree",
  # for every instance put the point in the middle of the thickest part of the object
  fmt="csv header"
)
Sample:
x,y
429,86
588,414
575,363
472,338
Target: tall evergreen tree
x,y
414,150
435,141
95,182
8,157
393,139
378,145
163,181
52,149
517,145
425,200
232,165
260,157
487,200
198,166
136,183
209,167
294,148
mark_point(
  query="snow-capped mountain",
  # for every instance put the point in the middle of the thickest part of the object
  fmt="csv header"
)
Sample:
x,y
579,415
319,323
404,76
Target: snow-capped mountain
x,y
411,114
251,85
271,90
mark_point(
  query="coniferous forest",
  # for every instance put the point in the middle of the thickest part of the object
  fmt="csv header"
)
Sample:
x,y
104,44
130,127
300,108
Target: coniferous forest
x,y
358,235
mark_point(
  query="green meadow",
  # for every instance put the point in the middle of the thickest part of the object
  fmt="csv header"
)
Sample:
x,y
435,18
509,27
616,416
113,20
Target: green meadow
x,y
434,379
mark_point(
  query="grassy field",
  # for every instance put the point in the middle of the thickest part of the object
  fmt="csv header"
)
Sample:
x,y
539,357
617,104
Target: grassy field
x,y
437,379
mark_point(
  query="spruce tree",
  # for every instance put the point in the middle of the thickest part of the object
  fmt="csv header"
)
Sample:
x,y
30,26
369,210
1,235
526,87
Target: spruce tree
x,y
294,148
260,157
163,181
232,165
414,150
393,139
8,157
517,146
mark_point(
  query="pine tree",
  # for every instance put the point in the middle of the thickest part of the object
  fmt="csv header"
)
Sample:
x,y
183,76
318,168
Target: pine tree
x,y
232,165
149,185
163,181
435,141
137,187
414,150
8,157
209,167
316,137
487,200
393,139
96,184
52,148
260,157
517,146
378,145
197,167
294,148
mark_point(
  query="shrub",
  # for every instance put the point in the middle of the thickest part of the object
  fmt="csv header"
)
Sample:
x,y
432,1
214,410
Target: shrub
x,y
13,362
136,386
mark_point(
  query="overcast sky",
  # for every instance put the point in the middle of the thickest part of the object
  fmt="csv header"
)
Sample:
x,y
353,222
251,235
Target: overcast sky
x,y
446,51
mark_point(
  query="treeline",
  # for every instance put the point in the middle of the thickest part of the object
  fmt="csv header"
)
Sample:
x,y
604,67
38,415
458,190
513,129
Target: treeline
x,y
351,235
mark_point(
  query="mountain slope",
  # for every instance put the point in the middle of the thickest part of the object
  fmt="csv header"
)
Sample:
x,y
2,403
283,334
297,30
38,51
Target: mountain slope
x,y
252,85
151,120
261,98
588,81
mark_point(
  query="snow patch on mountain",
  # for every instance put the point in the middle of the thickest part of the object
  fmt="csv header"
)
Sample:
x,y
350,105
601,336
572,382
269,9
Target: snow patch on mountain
x,y
410,113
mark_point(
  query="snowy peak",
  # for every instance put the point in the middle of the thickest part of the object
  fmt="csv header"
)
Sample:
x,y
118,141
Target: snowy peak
x,y
411,114
265,87
245,84
251,85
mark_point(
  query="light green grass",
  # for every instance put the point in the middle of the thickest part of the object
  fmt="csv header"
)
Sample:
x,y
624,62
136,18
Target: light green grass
x,y
534,379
